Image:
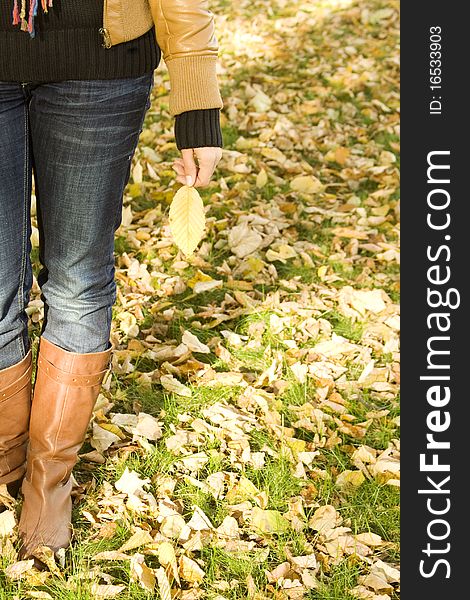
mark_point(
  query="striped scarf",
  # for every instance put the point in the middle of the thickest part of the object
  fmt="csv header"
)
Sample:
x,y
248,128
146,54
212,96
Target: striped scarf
x,y
19,15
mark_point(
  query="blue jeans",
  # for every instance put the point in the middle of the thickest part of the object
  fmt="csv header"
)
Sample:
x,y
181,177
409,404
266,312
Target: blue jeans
x,y
78,138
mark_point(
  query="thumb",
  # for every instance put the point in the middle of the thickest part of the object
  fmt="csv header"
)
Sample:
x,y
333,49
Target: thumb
x,y
190,168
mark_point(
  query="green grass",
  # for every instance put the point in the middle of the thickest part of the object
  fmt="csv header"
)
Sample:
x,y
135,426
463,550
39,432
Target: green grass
x,y
235,568
374,507
230,134
277,480
121,245
344,326
336,585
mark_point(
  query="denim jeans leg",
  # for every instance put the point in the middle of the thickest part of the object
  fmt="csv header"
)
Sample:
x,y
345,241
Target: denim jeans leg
x,y
15,225
84,135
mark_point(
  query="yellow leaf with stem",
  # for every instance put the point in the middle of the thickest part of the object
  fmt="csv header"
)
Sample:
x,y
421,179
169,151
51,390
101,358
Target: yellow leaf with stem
x,y
187,219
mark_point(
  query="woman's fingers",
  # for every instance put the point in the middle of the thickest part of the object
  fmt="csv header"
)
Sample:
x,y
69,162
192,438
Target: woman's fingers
x,y
197,174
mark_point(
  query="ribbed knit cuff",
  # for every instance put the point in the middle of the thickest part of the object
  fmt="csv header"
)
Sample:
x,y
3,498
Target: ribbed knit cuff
x,y
193,83
198,128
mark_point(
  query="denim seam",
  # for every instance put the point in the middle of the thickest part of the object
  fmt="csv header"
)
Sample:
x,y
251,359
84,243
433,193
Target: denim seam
x,y
25,228
142,121
147,106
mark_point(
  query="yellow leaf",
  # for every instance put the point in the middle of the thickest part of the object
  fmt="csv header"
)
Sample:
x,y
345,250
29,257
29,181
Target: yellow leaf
x,y
166,554
268,521
140,538
274,154
173,385
187,219
48,557
306,184
350,480
282,253
261,179
190,571
296,445
341,155
102,438
135,190
243,490
322,271
141,573
163,584
113,429
199,277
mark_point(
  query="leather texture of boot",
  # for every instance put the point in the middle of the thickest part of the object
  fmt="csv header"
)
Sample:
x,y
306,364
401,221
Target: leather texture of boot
x,y
66,388
15,407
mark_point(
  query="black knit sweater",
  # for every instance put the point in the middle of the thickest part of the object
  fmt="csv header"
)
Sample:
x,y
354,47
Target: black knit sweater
x,y
68,45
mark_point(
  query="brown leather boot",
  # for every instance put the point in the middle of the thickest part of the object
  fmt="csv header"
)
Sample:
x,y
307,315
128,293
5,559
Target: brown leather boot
x,y
66,388
15,406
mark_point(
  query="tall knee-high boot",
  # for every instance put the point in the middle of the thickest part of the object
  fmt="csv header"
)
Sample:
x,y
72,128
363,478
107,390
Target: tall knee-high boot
x,y
65,392
15,406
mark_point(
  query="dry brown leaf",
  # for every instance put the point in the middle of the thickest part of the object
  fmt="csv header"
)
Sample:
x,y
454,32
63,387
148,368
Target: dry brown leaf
x,y
164,586
325,519
190,571
141,537
171,384
141,573
18,569
268,521
106,591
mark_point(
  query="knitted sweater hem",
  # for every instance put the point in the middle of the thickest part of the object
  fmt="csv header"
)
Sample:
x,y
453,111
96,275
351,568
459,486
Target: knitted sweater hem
x,y
74,54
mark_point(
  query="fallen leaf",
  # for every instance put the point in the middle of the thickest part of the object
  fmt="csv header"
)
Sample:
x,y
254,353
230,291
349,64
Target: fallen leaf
x,y
325,519
18,569
130,482
164,586
139,538
106,591
141,573
243,240
171,384
102,438
192,342
348,480
268,521
7,523
190,571
306,184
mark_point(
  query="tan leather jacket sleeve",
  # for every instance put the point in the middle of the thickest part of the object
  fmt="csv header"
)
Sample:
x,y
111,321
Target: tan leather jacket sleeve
x,y
186,35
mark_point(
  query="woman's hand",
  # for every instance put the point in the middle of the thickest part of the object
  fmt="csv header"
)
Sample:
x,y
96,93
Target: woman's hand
x,y
200,174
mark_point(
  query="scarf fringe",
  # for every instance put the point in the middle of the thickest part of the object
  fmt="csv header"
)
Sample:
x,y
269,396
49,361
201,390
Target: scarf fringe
x,y
27,22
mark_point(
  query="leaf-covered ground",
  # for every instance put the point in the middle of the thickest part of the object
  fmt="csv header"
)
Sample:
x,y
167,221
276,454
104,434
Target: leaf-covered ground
x,y
246,443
